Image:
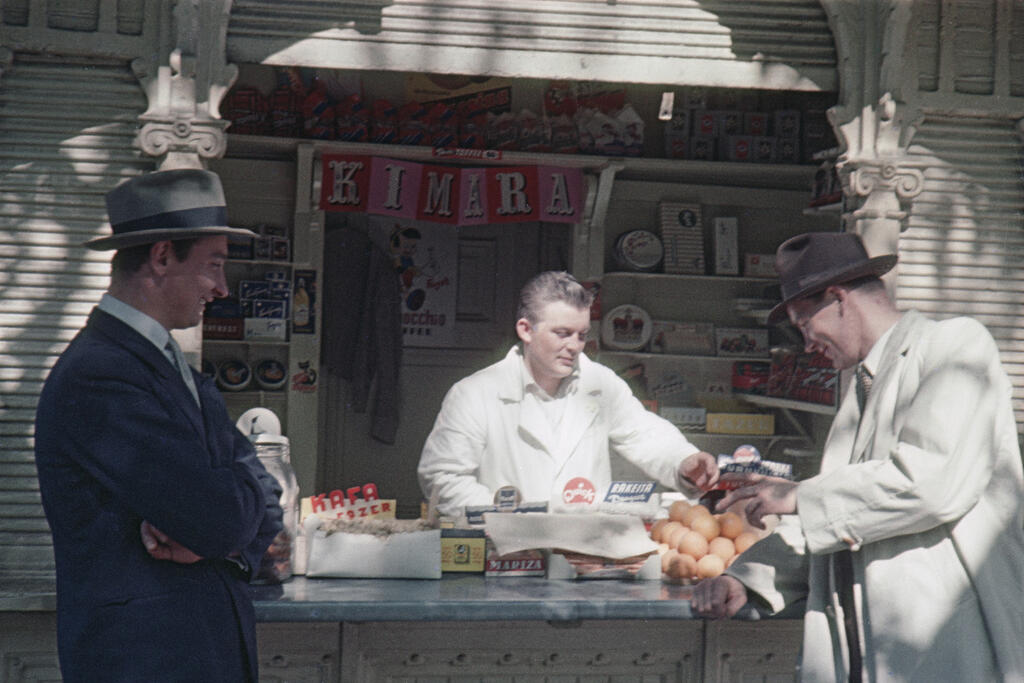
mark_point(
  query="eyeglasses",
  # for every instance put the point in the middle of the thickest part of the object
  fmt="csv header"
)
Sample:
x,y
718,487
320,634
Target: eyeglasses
x,y
802,319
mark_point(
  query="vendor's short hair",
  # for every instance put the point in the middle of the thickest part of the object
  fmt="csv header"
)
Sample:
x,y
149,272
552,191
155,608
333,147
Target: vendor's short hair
x,y
548,287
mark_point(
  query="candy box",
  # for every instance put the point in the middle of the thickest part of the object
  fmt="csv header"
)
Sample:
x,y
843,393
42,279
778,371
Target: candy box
x,y
742,341
463,550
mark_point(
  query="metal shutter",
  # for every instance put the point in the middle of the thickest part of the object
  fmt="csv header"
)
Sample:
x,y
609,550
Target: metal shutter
x,y
963,248
768,44
66,131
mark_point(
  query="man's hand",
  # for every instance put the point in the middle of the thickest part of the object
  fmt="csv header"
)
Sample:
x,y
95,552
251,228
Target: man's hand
x,y
718,598
700,469
766,496
160,546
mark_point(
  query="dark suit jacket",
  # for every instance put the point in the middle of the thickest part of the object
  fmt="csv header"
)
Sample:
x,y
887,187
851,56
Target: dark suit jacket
x,y
119,440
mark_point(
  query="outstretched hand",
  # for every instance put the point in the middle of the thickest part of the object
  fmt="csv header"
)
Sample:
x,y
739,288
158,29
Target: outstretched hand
x,y
160,546
700,469
765,495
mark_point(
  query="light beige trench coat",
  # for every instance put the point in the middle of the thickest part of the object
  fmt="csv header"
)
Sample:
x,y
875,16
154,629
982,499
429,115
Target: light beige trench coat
x,y
927,492
487,435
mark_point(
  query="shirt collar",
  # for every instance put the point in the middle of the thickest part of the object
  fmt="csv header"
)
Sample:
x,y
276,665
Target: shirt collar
x,y
136,319
874,357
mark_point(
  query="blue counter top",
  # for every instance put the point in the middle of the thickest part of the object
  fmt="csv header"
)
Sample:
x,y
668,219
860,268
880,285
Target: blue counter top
x,y
453,598
470,598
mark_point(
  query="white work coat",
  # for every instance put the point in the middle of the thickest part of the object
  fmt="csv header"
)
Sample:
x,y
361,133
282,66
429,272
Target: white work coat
x,y
487,435
927,492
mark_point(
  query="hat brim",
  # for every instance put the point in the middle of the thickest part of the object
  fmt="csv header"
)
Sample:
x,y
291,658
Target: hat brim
x,y
878,266
134,239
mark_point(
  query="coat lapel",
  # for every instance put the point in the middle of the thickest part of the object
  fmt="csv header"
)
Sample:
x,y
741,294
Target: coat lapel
x,y
166,376
879,401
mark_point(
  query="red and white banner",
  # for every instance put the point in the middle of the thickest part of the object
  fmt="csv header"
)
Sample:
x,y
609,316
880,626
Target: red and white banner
x,y
450,194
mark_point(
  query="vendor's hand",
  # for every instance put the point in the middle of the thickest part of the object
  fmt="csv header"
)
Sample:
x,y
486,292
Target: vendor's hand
x,y
160,546
718,598
700,469
764,495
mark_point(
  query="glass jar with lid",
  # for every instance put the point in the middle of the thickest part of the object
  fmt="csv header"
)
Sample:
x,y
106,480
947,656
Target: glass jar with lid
x,y
278,561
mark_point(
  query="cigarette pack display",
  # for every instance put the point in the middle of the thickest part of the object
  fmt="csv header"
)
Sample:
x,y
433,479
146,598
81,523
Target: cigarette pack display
x,y
254,289
755,123
223,328
762,150
685,417
737,148
750,377
803,376
702,148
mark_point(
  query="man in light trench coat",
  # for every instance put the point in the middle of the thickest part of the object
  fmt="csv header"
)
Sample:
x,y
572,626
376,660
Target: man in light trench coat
x,y
908,546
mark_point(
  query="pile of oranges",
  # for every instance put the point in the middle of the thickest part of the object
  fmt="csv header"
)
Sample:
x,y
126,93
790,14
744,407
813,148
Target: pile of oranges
x,y
696,544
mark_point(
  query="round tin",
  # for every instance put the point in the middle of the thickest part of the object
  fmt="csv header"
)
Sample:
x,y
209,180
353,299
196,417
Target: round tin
x,y
639,250
271,374
233,375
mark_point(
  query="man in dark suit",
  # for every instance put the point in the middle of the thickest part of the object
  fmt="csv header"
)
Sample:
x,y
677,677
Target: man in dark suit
x,y
158,505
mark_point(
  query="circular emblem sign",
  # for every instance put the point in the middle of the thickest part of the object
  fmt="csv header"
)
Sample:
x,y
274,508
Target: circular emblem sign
x,y
578,490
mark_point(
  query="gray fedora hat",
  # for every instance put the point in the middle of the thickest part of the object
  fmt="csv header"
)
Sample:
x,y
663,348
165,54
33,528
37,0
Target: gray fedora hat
x,y
166,205
811,262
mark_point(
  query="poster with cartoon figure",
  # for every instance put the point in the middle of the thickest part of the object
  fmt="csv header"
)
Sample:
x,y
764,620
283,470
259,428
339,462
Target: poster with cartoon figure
x,y
424,256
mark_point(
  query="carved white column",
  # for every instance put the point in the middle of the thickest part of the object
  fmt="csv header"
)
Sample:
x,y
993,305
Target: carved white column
x,y
185,82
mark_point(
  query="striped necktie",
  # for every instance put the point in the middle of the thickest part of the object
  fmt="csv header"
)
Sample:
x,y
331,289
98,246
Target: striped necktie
x,y
864,380
179,362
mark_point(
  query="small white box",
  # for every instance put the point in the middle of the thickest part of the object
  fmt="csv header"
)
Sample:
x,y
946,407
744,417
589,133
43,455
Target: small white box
x,y
759,265
726,247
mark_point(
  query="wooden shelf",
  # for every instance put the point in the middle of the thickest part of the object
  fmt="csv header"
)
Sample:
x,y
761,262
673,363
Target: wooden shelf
x,y
773,176
680,356
788,404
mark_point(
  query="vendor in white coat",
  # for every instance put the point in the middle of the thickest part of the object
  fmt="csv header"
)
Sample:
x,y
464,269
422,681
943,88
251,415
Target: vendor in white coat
x,y
908,547
546,415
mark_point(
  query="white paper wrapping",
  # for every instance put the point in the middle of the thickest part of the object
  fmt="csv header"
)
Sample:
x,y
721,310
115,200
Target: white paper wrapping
x,y
406,555
604,535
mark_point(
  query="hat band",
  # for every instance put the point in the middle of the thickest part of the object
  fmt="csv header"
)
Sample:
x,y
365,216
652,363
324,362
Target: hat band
x,y
202,217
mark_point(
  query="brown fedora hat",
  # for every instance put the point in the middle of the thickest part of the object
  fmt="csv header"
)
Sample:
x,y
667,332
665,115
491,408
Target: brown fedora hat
x,y
809,263
166,205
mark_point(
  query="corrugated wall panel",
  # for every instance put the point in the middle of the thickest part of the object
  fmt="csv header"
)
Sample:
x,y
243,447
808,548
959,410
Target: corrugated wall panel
x,y
963,250
729,43
66,132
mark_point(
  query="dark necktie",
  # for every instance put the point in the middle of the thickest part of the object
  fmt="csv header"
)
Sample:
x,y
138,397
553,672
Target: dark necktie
x,y
864,379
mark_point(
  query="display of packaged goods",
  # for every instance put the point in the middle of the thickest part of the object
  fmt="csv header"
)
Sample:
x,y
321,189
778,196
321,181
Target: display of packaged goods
x,y
269,308
763,149
742,341
626,328
801,376
682,234
759,265
787,123
751,377
728,122
240,248
639,251
683,338
702,148
254,289
737,148
521,563
755,123
787,150
740,423
705,123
